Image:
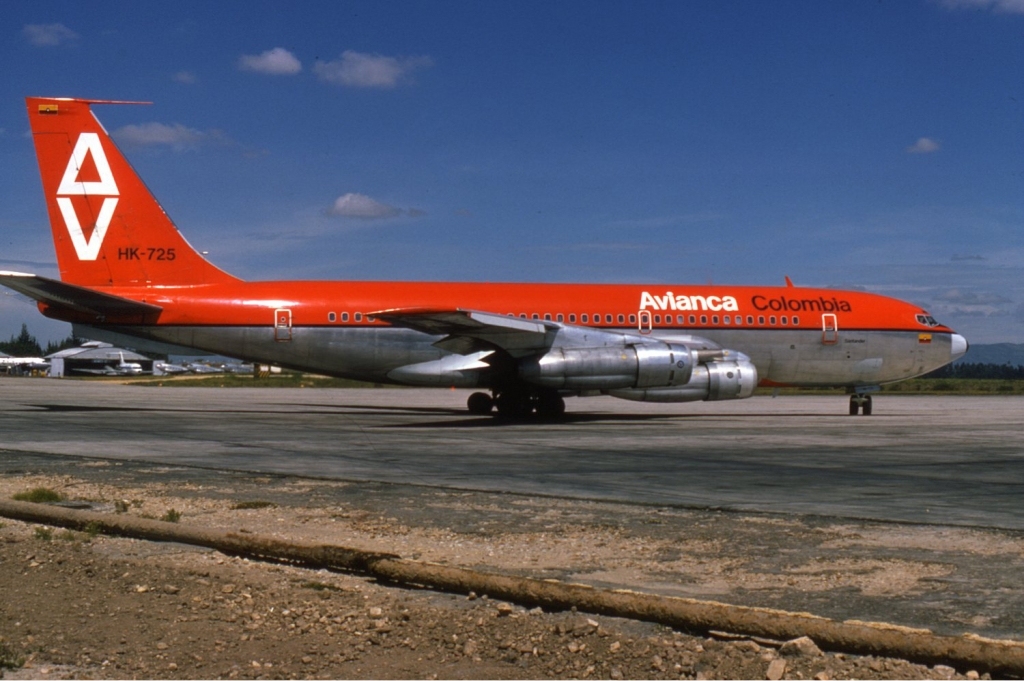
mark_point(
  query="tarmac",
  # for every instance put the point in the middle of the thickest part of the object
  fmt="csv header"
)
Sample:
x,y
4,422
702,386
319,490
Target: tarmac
x,y
920,459
912,515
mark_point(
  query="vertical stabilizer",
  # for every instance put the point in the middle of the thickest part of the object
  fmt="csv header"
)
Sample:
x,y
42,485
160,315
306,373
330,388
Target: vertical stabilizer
x,y
108,229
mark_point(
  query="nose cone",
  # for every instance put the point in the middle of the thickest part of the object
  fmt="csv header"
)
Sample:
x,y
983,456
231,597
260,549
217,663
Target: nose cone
x,y
957,347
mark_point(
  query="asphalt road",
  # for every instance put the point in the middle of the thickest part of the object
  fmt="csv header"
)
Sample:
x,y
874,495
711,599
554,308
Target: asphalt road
x,y
922,459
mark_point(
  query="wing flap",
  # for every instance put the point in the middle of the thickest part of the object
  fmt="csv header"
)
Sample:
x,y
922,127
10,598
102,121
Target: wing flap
x,y
468,331
79,299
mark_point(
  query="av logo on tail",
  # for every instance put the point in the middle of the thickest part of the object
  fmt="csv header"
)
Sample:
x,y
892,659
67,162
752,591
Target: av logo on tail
x,y
70,185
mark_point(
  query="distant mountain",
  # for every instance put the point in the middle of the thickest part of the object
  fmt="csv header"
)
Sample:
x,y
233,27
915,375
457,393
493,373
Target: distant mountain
x,y
996,353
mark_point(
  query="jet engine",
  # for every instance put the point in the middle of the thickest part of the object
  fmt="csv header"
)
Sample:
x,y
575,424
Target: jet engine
x,y
647,372
717,380
644,365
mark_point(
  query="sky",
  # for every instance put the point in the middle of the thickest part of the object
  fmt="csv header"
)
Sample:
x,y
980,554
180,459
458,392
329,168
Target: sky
x,y
873,146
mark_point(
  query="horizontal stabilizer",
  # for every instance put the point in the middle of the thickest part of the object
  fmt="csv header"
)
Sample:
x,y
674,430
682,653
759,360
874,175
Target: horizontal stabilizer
x,y
102,306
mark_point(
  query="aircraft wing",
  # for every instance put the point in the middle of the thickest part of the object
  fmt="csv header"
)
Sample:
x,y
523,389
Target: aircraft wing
x,y
468,331
102,306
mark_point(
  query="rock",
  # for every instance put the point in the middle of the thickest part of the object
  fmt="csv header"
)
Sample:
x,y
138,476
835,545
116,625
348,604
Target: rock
x,y
973,675
171,589
616,673
470,648
376,613
800,647
944,671
504,609
614,647
776,669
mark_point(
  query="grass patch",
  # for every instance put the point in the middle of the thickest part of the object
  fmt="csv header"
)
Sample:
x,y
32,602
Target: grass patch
x,y
171,516
39,495
8,658
282,380
44,533
250,505
924,386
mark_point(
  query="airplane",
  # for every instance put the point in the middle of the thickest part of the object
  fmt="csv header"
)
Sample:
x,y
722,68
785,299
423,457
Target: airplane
x,y
122,368
19,364
169,369
126,271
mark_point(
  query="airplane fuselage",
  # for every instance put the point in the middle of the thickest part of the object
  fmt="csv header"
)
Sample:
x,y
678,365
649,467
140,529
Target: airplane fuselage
x,y
794,336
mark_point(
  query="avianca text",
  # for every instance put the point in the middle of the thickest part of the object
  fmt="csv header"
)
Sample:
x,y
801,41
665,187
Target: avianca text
x,y
670,301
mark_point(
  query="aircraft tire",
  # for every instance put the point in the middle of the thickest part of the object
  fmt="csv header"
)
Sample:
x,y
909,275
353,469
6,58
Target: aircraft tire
x,y
513,406
551,406
480,404
854,405
865,408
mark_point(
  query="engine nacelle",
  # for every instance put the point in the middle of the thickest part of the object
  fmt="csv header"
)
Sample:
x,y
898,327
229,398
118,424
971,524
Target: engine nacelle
x,y
640,366
719,380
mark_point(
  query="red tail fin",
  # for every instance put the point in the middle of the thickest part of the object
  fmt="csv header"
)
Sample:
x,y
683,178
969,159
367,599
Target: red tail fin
x,y
107,227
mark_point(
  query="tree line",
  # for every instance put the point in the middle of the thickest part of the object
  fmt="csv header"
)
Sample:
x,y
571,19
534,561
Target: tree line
x,y
26,345
978,370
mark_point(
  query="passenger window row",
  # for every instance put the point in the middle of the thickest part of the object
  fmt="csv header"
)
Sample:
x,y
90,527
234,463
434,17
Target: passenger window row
x,y
596,319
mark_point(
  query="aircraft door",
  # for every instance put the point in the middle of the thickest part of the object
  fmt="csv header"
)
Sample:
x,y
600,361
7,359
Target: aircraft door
x,y
829,329
282,325
645,321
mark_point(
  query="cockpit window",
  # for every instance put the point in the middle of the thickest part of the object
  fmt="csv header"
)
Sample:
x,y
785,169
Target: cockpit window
x,y
927,320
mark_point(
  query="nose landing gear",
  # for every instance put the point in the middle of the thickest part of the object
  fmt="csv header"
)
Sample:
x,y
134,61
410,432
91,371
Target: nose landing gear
x,y
860,403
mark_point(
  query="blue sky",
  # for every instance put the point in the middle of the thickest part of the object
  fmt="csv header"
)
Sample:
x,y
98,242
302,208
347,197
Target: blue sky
x,y
864,145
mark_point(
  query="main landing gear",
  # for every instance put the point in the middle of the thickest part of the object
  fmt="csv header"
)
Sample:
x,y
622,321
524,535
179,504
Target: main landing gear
x,y
518,405
860,403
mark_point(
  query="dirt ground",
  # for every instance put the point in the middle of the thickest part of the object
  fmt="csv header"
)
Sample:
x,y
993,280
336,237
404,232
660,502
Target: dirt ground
x,y
81,606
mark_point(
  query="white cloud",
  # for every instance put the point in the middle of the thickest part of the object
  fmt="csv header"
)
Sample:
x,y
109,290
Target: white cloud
x,y
362,207
355,69
275,62
48,35
924,145
997,6
184,77
176,136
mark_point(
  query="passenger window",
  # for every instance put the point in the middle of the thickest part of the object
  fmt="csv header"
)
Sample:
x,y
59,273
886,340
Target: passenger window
x,y
750,320
703,319
344,316
760,320
714,320
547,317
622,319
657,319
608,319
771,320
536,316
693,319
583,318
560,317
572,318
680,319
331,317
785,321
796,321
522,315
359,316
632,319
726,320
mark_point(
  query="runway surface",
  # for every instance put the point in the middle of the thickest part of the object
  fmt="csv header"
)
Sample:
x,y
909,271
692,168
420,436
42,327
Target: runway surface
x,y
945,460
